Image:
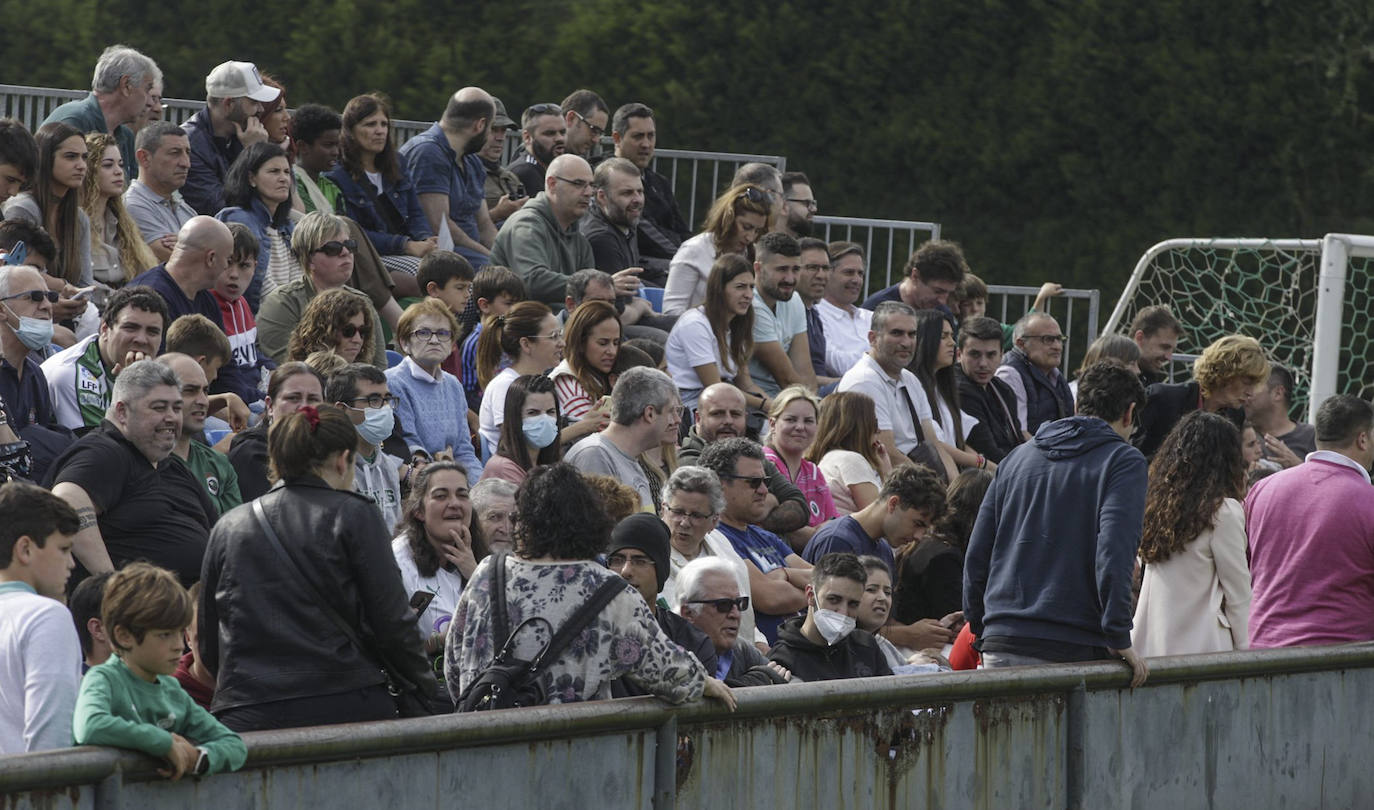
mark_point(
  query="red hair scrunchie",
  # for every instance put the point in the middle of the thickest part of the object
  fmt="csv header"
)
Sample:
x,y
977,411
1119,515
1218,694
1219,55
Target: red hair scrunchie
x,y
312,415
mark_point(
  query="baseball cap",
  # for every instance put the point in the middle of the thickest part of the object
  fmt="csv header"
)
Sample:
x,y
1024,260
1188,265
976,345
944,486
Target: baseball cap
x,y
501,120
237,80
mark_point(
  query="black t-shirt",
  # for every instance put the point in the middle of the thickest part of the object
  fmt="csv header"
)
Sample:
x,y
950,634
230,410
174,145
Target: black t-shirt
x,y
160,514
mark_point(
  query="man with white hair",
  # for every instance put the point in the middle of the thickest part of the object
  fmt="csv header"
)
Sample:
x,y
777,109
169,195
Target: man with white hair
x,y
26,325
711,602
133,502
644,406
540,242
121,89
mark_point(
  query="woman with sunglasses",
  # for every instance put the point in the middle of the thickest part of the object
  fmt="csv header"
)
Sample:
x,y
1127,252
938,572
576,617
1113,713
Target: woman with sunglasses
x,y
323,247
118,252
378,193
53,202
736,220
529,432
712,343
337,321
429,401
258,192
532,338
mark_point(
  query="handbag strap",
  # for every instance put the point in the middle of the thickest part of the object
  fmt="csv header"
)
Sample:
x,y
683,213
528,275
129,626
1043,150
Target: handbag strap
x,y
911,409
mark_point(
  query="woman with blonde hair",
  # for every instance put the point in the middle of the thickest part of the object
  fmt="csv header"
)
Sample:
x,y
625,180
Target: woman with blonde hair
x,y
736,220
792,427
1195,586
847,451
1224,377
339,320
118,252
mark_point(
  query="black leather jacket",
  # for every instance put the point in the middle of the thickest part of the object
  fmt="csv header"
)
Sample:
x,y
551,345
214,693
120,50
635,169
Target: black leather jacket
x,y
262,633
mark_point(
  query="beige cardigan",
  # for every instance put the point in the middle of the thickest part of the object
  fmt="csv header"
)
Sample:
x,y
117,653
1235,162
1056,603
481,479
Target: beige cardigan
x,y
1198,600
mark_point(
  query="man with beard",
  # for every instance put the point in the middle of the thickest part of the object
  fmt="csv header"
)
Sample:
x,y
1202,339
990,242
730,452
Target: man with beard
x,y
449,176
800,204
209,467
611,226
661,228
505,193
234,95
542,133
540,242
585,115
779,359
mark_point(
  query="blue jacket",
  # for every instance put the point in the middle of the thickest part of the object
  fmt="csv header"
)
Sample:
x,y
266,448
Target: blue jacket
x,y
360,204
1053,550
1046,399
258,221
210,159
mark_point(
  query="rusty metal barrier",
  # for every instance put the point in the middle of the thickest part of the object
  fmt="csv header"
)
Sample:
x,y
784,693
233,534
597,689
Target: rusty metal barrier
x,y
1259,729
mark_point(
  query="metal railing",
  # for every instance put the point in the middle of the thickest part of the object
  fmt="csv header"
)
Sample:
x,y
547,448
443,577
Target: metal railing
x,y
887,243
1261,729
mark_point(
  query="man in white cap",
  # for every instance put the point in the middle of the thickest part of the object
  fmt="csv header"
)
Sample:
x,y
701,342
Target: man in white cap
x,y
234,95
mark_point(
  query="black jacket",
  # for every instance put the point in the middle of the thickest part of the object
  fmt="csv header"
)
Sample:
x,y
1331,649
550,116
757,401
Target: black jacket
x,y
748,667
1165,404
248,455
261,631
998,430
616,250
857,655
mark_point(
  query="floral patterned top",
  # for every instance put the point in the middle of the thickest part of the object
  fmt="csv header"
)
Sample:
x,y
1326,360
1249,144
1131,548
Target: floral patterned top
x,y
625,640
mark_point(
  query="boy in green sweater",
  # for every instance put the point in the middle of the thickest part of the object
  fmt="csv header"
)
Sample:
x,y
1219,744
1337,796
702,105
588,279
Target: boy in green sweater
x,y
131,700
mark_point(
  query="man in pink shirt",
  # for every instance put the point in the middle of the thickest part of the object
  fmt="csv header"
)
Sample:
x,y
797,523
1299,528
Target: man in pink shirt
x,y
1311,533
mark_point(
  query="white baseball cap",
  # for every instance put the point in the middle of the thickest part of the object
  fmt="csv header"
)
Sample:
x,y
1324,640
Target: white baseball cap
x,y
237,80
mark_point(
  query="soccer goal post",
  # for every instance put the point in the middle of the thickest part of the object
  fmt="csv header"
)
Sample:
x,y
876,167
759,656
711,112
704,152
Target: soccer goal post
x,y
1306,300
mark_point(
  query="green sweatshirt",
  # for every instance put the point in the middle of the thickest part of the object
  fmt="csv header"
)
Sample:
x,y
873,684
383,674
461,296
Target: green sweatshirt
x,y
120,709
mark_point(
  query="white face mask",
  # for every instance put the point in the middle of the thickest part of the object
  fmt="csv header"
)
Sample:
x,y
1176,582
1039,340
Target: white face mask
x,y
833,625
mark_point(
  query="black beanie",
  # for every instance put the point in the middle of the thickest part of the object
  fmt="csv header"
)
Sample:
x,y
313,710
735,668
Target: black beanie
x,y
644,532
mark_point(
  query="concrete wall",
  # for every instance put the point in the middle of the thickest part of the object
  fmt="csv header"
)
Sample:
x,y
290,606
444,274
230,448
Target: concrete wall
x,y
1265,729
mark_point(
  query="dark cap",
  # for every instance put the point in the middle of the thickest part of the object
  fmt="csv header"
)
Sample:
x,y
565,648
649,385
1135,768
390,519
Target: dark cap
x,y
644,532
501,120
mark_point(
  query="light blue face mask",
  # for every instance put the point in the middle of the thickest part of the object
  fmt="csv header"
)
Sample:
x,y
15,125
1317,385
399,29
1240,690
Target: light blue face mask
x,y
540,431
34,333
377,424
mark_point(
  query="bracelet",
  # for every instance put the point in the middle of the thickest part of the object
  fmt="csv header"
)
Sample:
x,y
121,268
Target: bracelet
x,y
982,462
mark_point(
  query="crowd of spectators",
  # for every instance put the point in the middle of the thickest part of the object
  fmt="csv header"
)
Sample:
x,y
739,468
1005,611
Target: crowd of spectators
x,y
306,426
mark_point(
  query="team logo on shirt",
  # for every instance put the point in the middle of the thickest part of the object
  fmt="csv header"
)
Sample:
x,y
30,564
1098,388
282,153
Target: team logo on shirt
x,y
212,485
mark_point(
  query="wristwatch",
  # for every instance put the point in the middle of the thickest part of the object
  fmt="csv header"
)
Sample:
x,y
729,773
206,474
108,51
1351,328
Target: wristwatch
x,y
202,764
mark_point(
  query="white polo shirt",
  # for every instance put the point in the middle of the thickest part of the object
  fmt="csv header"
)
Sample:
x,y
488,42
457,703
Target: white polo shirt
x,y
868,377
846,335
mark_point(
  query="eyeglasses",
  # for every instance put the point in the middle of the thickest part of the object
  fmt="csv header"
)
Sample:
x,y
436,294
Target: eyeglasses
x,y
348,330
334,247
427,335
1048,340
754,194
596,130
556,335
547,108
811,205
619,560
723,606
35,296
754,482
580,185
682,514
374,400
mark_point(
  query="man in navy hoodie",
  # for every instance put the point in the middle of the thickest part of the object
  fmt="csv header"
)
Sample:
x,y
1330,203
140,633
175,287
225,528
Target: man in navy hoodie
x,y
1047,577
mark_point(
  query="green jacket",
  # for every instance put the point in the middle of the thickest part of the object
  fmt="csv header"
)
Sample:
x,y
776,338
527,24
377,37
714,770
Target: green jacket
x,y
533,245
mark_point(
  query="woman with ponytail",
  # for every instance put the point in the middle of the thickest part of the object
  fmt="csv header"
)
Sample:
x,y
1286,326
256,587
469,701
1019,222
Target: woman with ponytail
x,y
532,338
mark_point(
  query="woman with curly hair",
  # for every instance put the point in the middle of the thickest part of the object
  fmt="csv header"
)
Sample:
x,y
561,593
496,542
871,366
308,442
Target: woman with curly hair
x,y
847,451
1195,590
562,527
1223,378
591,344
339,320
118,252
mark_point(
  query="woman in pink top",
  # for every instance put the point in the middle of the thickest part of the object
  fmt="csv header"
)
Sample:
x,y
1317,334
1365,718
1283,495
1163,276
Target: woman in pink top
x,y
792,428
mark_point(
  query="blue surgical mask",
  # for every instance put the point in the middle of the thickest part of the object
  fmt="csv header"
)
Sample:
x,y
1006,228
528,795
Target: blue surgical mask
x,y
377,424
540,431
35,333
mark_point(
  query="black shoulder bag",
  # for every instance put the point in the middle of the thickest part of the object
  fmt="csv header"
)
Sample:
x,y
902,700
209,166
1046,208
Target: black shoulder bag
x,y
509,682
410,701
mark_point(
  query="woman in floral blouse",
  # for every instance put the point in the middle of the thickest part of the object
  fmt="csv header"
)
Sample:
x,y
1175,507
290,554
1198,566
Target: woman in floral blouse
x,y
561,528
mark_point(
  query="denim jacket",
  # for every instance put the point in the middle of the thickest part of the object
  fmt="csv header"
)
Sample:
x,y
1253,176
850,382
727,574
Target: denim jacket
x,y
258,221
361,205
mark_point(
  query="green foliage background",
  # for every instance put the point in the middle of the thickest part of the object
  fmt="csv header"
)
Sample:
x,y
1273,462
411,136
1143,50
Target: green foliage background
x,y
1053,139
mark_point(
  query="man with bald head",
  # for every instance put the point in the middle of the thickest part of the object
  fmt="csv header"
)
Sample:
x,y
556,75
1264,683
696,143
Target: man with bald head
x,y
1031,370
540,242
26,325
202,252
208,466
445,164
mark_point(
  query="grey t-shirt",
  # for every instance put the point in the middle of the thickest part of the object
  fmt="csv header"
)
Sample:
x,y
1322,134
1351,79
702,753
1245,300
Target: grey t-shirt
x,y
598,456
1302,439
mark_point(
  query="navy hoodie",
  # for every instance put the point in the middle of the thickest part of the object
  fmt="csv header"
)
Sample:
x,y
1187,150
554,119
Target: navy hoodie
x,y
1053,550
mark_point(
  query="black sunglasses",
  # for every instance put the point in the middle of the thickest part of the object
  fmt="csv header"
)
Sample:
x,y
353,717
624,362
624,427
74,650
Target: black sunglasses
x,y
723,606
754,482
547,108
35,296
348,330
756,195
334,247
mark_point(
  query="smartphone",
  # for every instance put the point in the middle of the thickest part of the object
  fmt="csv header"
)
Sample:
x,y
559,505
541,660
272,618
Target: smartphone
x,y
420,600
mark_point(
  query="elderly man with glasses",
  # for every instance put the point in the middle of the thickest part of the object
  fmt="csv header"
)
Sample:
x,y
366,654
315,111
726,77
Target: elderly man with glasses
x,y
1031,370
540,242
712,603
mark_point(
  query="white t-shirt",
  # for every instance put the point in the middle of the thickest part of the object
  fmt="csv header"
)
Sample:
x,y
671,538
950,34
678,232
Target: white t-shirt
x,y
846,335
691,344
843,468
493,410
376,179
781,325
40,671
944,425
687,274
868,377
446,586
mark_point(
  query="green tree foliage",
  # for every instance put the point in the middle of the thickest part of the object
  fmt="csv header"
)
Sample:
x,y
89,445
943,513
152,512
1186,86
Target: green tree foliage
x,y
1054,140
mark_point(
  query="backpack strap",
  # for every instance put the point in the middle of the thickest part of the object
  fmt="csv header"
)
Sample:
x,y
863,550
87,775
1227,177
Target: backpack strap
x,y
500,623
609,590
